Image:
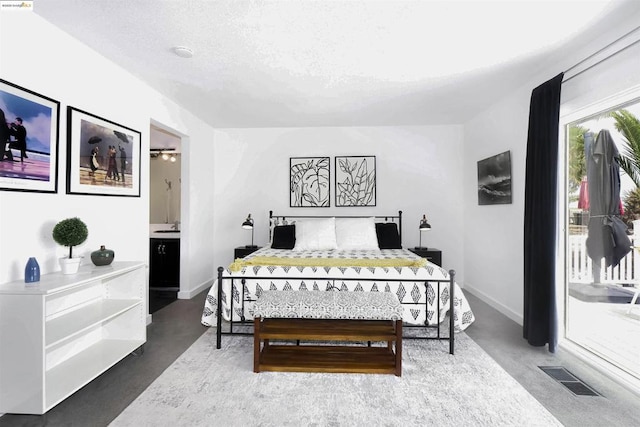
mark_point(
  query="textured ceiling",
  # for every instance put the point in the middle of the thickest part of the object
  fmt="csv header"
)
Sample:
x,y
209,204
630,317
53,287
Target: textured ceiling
x,y
333,63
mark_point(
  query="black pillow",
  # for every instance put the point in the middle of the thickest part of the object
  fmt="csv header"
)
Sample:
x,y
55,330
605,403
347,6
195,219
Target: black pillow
x,y
284,237
388,237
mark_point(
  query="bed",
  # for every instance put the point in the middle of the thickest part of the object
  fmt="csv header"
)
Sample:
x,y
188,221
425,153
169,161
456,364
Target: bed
x,y
346,254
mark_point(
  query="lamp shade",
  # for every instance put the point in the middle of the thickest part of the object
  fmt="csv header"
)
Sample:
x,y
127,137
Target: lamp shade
x,y
248,223
424,225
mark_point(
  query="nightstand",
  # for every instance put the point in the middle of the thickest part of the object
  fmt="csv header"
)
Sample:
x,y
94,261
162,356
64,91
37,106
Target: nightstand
x,y
431,254
243,251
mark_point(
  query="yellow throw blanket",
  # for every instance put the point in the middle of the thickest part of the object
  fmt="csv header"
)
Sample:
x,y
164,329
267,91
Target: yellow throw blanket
x,y
239,263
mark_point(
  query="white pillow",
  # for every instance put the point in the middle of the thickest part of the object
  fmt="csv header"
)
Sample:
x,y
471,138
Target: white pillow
x,y
316,234
356,233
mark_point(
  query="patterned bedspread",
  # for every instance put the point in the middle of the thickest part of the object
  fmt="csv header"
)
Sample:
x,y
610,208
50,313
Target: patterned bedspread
x,y
420,302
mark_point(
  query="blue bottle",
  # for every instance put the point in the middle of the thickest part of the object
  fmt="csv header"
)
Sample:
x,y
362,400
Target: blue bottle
x,y
32,271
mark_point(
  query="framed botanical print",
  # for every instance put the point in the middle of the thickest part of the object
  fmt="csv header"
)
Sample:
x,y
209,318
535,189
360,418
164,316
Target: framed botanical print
x,y
355,181
309,182
29,125
103,157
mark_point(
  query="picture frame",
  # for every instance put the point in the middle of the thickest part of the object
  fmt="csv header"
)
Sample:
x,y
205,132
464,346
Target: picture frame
x,y
28,140
103,157
494,179
309,182
355,181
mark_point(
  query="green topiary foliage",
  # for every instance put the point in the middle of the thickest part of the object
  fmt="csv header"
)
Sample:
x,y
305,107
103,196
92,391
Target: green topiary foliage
x,y
70,232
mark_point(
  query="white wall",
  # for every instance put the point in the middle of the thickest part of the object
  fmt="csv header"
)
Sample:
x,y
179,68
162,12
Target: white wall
x,y
55,65
418,171
493,243
493,239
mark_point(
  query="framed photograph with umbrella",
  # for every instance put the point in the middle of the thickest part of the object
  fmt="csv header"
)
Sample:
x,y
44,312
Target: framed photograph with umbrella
x,y
103,157
28,140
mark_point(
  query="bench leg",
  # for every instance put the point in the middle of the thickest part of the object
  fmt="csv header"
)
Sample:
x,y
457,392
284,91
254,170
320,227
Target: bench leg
x,y
398,348
256,344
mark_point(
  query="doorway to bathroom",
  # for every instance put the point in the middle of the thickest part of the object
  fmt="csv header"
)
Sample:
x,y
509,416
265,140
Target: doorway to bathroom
x,y
164,217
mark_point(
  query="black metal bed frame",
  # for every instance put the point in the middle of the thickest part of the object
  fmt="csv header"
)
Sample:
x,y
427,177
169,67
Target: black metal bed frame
x,y
331,286
387,218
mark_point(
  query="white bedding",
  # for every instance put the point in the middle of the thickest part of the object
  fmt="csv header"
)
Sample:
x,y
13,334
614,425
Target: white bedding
x,y
408,283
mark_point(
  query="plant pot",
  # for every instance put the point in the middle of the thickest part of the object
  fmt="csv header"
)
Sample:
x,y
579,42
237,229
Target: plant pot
x,y
70,265
102,256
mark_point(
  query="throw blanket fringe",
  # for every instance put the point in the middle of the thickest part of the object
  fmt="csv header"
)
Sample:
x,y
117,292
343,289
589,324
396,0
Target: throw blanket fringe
x,y
239,263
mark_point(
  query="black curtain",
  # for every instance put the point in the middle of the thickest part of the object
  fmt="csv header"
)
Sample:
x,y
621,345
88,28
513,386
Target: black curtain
x,y
540,215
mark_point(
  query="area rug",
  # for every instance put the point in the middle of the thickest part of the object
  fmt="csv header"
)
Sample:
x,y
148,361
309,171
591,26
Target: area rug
x,y
209,387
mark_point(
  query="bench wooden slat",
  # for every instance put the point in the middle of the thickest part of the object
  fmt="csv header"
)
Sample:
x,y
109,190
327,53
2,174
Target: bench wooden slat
x,y
307,316
336,359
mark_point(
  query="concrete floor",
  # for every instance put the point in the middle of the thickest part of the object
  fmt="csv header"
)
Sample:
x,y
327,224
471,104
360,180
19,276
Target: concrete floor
x,y
176,326
502,339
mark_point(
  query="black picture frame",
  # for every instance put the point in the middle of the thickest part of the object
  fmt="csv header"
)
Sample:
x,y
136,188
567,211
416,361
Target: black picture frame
x,y
494,180
355,181
95,146
309,182
29,152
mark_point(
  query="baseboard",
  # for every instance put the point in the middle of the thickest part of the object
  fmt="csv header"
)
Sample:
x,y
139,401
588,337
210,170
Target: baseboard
x,y
516,317
193,292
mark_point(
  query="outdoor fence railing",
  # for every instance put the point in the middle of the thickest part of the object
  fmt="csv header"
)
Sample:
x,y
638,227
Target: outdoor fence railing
x,y
580,265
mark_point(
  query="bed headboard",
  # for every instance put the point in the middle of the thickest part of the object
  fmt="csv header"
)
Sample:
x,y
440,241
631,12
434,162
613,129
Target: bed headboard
x,y
284,219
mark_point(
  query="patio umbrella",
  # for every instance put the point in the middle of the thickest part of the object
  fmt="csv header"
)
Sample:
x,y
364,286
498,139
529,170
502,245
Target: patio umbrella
x,y
121,136
94,140
583,197
607,237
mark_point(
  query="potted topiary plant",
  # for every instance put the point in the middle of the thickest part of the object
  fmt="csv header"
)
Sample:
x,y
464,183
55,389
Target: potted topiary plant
x,y
70,232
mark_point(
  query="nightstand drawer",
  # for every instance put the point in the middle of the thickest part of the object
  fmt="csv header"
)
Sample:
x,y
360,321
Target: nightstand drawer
x,y
243,251
431,254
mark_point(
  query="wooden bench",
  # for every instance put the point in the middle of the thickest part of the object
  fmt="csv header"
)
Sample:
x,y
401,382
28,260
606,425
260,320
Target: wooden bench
x,y
334,322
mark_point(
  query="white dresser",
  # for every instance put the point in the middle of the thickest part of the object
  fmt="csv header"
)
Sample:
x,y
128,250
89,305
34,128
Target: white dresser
x,y
58,334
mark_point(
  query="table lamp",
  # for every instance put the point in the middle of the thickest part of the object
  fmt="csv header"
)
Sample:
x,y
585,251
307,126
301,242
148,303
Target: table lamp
x,y
248,225
424,226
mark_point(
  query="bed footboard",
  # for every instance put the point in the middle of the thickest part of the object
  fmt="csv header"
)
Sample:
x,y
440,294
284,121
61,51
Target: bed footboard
x,y
331,285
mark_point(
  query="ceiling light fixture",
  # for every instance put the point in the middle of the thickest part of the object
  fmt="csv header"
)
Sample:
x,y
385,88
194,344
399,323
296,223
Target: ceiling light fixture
x,y
183,51
164,153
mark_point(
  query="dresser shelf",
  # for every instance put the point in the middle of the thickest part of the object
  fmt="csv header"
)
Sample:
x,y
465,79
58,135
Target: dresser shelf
x,y
60,333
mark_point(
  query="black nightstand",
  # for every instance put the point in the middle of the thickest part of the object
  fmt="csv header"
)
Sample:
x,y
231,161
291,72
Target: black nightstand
x,y
243,251
431,254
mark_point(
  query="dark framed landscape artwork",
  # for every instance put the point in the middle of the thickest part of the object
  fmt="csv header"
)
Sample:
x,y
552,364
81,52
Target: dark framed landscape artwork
x,y
355,181
494,179
29,125
103,157
309,182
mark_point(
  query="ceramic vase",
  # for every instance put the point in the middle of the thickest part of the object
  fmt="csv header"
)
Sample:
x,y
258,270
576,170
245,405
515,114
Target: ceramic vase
x,y
102,256
32,271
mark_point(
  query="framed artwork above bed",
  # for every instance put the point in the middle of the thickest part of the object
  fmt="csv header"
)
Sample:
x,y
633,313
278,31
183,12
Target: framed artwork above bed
x,y
355,181
309,182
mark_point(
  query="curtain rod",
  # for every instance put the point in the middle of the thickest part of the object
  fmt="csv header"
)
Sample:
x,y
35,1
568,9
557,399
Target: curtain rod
x,y
600,51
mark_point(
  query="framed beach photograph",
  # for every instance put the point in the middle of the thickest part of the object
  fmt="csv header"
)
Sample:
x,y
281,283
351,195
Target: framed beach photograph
x,y
355,181
29,125
494,179
103,157
309,182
